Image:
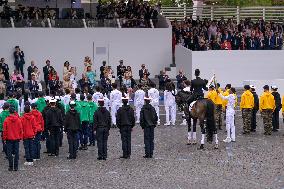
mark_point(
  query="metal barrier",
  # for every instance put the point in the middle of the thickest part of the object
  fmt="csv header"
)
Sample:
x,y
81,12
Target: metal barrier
x,y
274,13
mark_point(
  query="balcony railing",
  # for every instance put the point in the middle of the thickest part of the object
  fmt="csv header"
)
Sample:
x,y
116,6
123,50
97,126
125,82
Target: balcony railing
x,y
274,13
77,23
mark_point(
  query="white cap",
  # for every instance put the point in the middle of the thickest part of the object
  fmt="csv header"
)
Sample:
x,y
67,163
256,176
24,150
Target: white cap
x,y
52,100
57,97
101,100
147,98
274,87
252,86
72,102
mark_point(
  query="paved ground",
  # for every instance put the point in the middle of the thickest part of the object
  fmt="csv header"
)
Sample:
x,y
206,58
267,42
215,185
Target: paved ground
x,y
254,161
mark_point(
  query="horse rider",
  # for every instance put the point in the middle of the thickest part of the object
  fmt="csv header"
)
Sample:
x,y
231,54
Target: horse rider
x,y
197,87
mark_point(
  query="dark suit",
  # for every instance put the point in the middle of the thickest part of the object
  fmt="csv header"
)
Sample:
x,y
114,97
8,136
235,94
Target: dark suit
x,y
30,71
102,69
19,61
180,79
120,73
275,119
53,86
46,69
10,85
141,73
33,87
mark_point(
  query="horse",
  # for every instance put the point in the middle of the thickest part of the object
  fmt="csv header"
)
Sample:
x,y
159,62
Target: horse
x,y
202,110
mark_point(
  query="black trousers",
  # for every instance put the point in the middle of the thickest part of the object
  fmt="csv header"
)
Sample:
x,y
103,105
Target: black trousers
x,y
149,140
13,149
73,143
275,120
125,133
253,121
102,137
54,140
20,68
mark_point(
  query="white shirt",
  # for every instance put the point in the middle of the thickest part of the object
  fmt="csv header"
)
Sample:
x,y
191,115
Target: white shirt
x,y
154,94
97,96
106,102
66,99
169,98
78,97
231,103
2,103
139,97
115,97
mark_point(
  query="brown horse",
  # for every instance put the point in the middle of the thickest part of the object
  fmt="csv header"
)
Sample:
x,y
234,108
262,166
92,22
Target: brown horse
x,y
203,111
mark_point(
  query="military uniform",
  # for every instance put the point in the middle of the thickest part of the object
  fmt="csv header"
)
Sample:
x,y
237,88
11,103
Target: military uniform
x,y
102,124
246,106
115,102
138,102
148,121
266,107
125,120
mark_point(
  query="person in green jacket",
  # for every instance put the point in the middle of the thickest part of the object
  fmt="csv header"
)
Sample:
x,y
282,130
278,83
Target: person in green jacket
x,y
83,109
13,102
92,108
41,104
3,115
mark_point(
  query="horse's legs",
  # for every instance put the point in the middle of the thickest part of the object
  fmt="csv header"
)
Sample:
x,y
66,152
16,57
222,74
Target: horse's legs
x,y
202,132
194,130
189,132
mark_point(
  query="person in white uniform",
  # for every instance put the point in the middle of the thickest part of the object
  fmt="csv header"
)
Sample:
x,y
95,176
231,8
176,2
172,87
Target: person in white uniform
x,y
138,101
106,102
170,103
154,95
230,115
115,102
97,95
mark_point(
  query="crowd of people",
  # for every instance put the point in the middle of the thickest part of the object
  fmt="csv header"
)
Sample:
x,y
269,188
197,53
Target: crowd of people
x,y
134,13
203,35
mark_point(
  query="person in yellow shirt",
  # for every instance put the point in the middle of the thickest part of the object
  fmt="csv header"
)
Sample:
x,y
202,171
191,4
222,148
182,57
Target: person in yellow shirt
x,y
246,106
219,102
266,107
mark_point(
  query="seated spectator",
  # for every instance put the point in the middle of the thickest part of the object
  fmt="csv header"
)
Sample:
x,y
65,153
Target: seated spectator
x,y
84,83
2,83
142,71
52,74
18,80
33,86
10,85
66,68
127,83
145,82
54,85
106,84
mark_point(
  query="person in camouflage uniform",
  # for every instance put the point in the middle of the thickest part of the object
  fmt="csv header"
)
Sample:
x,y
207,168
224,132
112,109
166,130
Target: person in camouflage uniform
x,y
267,107
246,106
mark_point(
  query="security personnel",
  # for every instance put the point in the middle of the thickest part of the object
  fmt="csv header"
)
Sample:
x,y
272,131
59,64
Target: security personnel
x,y
197,87
255,108
148,122
125,120
218,104
102,124
246,106
277,98
266,107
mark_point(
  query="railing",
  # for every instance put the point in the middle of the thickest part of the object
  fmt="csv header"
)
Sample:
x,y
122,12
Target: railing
x,y
77,23
275,13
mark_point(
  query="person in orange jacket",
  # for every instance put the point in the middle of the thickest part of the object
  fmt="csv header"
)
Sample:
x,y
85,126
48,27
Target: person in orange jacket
x,y
29,132
12,134
40,128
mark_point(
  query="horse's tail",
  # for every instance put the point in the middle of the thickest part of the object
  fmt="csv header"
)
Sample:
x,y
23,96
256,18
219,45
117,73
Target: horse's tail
x,y
210,120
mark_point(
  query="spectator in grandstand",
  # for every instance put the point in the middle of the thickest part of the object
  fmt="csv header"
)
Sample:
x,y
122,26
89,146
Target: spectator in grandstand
x,y
66,68
120,71
10,86
84,83
2,82
5,68
87,63
53,73
54,85
33,86
102,69
127,83
19,60
106,84
145,82
200,35
31,69
91,76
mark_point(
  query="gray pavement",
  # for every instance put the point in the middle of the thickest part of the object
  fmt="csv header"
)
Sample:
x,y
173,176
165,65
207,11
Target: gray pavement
x,y
254,161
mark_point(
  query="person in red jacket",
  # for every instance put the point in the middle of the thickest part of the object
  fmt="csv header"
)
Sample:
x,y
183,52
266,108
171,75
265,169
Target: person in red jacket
x,y
40,128
12,134
29,132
